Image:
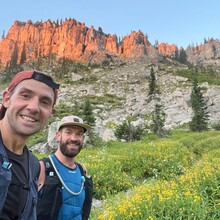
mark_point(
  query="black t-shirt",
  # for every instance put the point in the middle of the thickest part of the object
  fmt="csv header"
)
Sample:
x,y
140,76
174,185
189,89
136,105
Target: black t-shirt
x,y
18,189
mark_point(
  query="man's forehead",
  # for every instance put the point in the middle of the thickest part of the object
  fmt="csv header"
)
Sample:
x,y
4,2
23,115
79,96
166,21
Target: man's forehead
x,y
27,85
73,127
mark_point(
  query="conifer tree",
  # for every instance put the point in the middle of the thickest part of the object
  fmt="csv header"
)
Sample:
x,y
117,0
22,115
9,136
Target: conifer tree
x,y
14,58
76,108
128,132
12,67
200,118
87,113
158,117
152,83
182,56
23,55
176,55
3,34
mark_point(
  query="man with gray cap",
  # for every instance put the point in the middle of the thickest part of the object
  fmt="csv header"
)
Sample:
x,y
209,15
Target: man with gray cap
x,y
27,105
65,191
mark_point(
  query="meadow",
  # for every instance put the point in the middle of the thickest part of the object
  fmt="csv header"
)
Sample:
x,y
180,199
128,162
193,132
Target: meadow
x,y
177,177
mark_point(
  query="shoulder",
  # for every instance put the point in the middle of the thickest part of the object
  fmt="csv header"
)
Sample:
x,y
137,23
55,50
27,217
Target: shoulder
x,y
42,175
82,168
34,164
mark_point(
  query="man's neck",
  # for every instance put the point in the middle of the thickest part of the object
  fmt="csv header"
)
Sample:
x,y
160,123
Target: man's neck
x,y
12,141
67,161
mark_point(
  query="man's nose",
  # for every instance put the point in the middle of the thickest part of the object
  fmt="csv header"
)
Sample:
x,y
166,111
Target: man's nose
x,y
34,104
74,136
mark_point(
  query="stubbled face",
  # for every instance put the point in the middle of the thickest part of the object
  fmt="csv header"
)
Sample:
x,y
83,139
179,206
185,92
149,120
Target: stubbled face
x,y
29,107
70,139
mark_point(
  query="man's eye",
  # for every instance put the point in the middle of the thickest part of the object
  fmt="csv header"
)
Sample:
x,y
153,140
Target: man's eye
x,y
24,95
45,102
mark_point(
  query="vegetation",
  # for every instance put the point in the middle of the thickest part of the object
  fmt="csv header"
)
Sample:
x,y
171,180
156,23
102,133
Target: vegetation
x,y
200,118
203,75
128,132
87,113
149,177
152,83
158,115
157,178
158,118
63,109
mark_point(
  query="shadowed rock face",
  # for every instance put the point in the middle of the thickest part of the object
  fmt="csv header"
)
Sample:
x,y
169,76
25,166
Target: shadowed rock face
x,y
73,40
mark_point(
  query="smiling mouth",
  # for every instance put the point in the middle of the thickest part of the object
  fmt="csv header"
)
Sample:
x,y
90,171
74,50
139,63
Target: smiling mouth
x,y
73,145
26,118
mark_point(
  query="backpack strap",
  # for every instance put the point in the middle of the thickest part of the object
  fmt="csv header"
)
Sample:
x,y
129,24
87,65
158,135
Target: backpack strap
x,y
49,170
87,205
35,166
88,186
82,169
31,202
5,173
50,197
63,183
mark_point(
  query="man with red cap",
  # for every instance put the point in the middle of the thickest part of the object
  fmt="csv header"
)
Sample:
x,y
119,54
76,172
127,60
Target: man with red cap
x,y
27,105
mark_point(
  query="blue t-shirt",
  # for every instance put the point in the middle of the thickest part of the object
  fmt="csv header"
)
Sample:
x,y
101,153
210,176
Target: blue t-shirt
x,y
71,208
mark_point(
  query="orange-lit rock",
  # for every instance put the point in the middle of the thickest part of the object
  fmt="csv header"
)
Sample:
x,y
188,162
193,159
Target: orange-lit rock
x,y
166,49
73,40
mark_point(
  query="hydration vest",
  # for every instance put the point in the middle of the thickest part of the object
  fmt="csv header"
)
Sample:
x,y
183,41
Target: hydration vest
x,y
6,177
50,195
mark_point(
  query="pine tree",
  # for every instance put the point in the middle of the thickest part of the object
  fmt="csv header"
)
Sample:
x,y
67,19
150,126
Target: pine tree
x,y
152,83
200,118
14,58
3,34
13,67
176,55
128,132
76,108
87,113
23,55
182,56
158,117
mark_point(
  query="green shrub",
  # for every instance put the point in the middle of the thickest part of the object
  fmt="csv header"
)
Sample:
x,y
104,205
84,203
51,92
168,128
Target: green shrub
x,y
128,132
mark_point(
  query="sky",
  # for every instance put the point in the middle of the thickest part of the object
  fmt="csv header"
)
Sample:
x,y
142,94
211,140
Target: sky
x,y
179,22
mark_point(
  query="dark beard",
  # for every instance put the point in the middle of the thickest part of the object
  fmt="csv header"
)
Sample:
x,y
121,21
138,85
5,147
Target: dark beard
x,y
70,153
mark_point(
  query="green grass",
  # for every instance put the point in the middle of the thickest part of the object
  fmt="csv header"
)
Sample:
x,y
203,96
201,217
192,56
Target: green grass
x,y
157,178
203,76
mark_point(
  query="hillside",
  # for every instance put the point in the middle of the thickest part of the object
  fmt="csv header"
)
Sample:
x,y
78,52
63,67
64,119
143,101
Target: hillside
x,y
172,178
113,73
119,91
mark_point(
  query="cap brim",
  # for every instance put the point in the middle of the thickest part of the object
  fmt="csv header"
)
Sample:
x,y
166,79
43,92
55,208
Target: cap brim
x,y
85,126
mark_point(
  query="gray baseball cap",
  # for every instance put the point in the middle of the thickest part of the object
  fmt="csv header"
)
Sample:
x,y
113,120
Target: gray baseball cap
x,y
73,120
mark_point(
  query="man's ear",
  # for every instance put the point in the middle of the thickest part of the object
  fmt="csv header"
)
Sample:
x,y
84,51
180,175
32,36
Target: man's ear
x,y
52,112
58,135
6,98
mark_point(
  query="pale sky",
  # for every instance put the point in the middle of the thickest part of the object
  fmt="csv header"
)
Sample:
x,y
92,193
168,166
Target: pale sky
x,y
182,22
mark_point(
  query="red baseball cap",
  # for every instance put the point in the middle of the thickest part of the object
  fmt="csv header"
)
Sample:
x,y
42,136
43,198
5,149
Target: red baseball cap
x,y
31,74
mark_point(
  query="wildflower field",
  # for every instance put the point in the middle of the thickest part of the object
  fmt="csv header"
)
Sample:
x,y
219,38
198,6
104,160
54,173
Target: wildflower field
x,y
172,178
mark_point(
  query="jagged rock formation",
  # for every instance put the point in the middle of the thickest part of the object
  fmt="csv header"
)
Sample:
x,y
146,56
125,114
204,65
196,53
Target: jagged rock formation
x,y
205,54
72,40
166,49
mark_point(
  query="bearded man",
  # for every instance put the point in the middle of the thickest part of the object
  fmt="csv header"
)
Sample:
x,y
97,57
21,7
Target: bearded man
x,y
63,185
